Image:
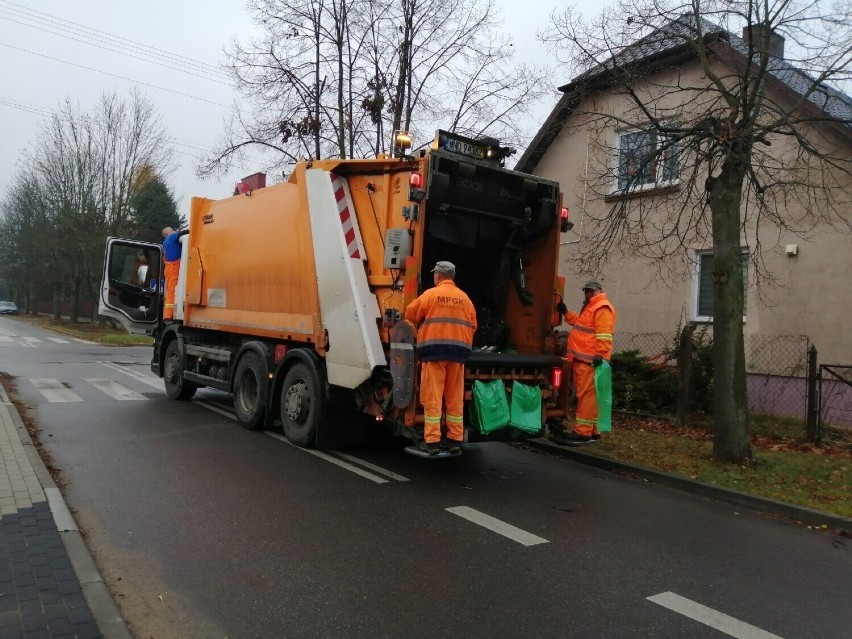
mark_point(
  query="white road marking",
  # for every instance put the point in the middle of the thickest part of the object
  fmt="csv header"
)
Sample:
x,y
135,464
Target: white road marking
x,y
6,338
215,409
84,341
320,454
498,526
329,458
710,617
369,466
31,339
151,381
58,340
114,389
54,391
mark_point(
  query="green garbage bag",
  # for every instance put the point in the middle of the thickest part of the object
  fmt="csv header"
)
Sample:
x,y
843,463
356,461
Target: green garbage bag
x,y
603,391
525,407
489,409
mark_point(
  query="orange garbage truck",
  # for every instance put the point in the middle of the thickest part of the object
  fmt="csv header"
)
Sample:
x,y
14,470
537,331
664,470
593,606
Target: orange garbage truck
x,y
291,297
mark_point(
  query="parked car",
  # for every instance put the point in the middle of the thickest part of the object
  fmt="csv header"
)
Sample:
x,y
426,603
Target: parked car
x,y
8,308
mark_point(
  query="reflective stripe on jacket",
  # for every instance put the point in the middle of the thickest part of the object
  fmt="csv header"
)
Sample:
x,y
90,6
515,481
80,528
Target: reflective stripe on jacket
x,y
591,330
446,321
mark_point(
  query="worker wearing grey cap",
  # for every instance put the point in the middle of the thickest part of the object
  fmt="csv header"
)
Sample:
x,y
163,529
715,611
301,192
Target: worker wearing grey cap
x,y
589,344
446,321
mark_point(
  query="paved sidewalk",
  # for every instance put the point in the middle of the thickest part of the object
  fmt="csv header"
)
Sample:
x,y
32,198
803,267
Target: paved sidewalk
x,y
49,586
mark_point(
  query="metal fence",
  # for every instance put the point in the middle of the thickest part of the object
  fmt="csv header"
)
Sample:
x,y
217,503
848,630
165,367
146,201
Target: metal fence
x,y
835,396
776,372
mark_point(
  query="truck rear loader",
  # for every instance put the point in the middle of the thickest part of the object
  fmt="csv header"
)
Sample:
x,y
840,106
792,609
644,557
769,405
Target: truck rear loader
x,y
292,296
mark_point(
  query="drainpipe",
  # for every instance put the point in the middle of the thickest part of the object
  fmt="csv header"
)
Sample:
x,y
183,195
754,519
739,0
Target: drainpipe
x,y
583,201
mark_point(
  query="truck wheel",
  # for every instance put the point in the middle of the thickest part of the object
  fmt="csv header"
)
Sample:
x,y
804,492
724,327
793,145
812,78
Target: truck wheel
x,y
251,386
176,386
301,405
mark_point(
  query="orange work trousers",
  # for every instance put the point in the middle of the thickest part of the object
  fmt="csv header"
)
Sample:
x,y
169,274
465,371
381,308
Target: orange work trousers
x,y
172,270
442,381
586,421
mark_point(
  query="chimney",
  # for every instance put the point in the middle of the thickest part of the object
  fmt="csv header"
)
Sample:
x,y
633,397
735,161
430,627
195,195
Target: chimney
x,y
775,45
255,181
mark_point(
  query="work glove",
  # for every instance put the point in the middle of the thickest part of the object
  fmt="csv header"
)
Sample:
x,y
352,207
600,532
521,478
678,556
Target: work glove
x,y
597,360
561,308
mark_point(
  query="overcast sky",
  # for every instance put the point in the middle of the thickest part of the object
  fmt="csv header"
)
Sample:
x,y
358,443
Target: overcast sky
x,y
47,55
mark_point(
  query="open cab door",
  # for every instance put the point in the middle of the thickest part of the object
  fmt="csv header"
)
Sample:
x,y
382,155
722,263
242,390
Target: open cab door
x,y
132,285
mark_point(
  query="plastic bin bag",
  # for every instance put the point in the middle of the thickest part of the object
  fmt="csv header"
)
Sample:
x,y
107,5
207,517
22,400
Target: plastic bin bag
x,y
525,407
490,410
603,392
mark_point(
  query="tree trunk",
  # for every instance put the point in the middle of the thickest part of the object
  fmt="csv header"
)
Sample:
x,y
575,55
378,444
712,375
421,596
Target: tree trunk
x,y
684,372
731,440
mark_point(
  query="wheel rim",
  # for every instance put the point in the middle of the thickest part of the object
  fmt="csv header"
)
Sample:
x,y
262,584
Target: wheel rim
x,y
248,391
172,371
297,402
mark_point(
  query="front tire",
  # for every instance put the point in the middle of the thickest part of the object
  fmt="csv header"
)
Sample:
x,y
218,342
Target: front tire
x,y
176,386
301,405
251,388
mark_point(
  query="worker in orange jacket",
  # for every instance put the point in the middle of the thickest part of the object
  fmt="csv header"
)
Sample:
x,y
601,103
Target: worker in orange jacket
x,y
446,321
171,256
589,344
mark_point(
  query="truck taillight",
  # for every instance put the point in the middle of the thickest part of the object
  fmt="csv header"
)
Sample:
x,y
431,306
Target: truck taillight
x,y
280,352
556,377
565,224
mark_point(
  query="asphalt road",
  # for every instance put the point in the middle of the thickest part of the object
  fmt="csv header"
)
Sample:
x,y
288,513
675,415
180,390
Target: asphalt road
x,y
203,529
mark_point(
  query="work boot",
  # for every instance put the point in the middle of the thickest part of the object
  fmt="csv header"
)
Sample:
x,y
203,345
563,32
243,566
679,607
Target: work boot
x,y
555,427
451,446
573,439
429,448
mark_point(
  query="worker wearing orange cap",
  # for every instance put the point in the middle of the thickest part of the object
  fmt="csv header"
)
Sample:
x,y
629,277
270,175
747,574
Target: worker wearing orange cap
x,y
589,344
446,321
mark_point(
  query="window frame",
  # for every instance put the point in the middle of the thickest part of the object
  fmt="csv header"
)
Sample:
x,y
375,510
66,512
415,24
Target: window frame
x,y
658,182
696,284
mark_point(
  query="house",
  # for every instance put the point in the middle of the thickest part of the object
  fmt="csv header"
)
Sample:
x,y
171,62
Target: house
x,y
595,142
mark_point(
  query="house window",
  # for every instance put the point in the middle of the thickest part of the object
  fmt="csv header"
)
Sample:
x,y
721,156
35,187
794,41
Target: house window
x,y
646,160
703,300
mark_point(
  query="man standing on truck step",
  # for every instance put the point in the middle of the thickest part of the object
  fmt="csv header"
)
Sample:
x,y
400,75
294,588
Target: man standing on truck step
x,y
171,255
589,343
446,321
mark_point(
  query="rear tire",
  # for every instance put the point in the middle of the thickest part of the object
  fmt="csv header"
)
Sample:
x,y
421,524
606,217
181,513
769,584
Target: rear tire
x,y
176,386
251,389
301,405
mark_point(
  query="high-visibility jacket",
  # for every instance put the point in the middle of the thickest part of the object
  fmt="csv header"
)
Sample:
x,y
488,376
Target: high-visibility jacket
x,y
591,330
447,321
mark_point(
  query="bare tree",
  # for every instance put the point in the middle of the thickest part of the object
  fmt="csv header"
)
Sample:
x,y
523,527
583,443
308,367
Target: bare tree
x,y
738,146
80,171
331,78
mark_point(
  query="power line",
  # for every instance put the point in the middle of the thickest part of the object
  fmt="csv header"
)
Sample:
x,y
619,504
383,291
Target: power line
x,y
110,42
42,112
120,77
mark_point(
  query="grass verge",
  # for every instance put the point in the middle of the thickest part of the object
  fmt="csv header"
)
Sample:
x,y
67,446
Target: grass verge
x,y
784,467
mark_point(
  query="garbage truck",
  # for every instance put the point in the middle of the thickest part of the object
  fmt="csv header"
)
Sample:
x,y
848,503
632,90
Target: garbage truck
x,y
291,297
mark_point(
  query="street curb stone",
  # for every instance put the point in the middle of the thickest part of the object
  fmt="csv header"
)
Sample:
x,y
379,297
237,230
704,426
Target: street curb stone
x,y
805,515
95,591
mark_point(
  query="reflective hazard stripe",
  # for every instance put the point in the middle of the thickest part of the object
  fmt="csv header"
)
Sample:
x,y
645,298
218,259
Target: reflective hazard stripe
x,y
345,217
604,336
582,329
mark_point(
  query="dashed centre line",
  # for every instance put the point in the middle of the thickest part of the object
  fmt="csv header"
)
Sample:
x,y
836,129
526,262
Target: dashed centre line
x,y
709,617
496,525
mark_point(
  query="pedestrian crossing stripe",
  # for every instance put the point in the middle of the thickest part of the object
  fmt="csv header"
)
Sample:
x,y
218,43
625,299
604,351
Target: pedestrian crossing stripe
x,y
56,392
115,390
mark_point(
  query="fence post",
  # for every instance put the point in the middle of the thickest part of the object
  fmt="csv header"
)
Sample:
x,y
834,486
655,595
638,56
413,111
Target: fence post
x,y
684,372
813,400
